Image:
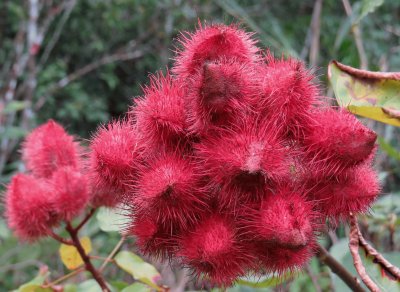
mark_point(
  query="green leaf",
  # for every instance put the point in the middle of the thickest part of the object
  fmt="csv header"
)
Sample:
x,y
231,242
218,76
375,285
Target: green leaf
x,y
367,7
14,132
374,95
139,269
111,220
4,231
389,149
89,286
35,284
15,106
265,281
137,287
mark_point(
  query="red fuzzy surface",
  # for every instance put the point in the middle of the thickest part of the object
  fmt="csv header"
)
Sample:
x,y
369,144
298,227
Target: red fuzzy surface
x,y
284,219
214,249
242,161
29,207
49,147
169,189
354,191
152,238
160,115
113,156
287,91
71,192
336,140
218,93
210,43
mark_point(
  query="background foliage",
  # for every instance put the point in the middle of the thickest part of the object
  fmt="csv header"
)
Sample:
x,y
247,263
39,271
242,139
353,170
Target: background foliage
x,y
105,49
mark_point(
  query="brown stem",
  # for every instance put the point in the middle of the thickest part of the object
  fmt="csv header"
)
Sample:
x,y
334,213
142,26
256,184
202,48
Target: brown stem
x,y
354,243
338,269
389,268
86,219
60,239
88,264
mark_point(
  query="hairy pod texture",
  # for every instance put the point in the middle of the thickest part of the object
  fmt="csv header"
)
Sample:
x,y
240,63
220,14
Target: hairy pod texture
x,y
230,164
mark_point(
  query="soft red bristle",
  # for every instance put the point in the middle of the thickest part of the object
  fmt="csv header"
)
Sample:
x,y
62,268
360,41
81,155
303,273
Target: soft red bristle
x,y
243,160
29,207
160,115
214,249
169,188
353,191
114,154
212,43
218,93
335,140
49,147
71,193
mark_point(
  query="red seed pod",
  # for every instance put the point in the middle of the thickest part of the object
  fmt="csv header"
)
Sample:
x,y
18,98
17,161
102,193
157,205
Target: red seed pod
x,y
49,147
151,237
214,249
336,140
283,219
29,207
169,189
218,93
212,43
287,92
278,259
244,160
114,154
160,116
353,191
71,193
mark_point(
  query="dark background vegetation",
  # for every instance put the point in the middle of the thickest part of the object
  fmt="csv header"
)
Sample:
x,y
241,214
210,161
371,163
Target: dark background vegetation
x,y
95,55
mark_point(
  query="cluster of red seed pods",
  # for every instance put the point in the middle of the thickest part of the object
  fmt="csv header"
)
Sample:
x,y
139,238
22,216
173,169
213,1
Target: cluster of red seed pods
x,y
233,161
236,160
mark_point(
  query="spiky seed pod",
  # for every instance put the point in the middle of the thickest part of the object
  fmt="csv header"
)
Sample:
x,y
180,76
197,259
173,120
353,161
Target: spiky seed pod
x,y
353,191
152,238
218,93
49,147
243,160
283,219
287,92
210,43
114,153
160,116
29,207
279,259
213,249
170,190
336,140
71,193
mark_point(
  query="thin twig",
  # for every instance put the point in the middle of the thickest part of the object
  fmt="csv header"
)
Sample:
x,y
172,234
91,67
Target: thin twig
x,y
354,244
389,268
112,254
315,33
350,280
68,7
63,278
88,264
355,29
60,239
108,59
313,278
86,219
